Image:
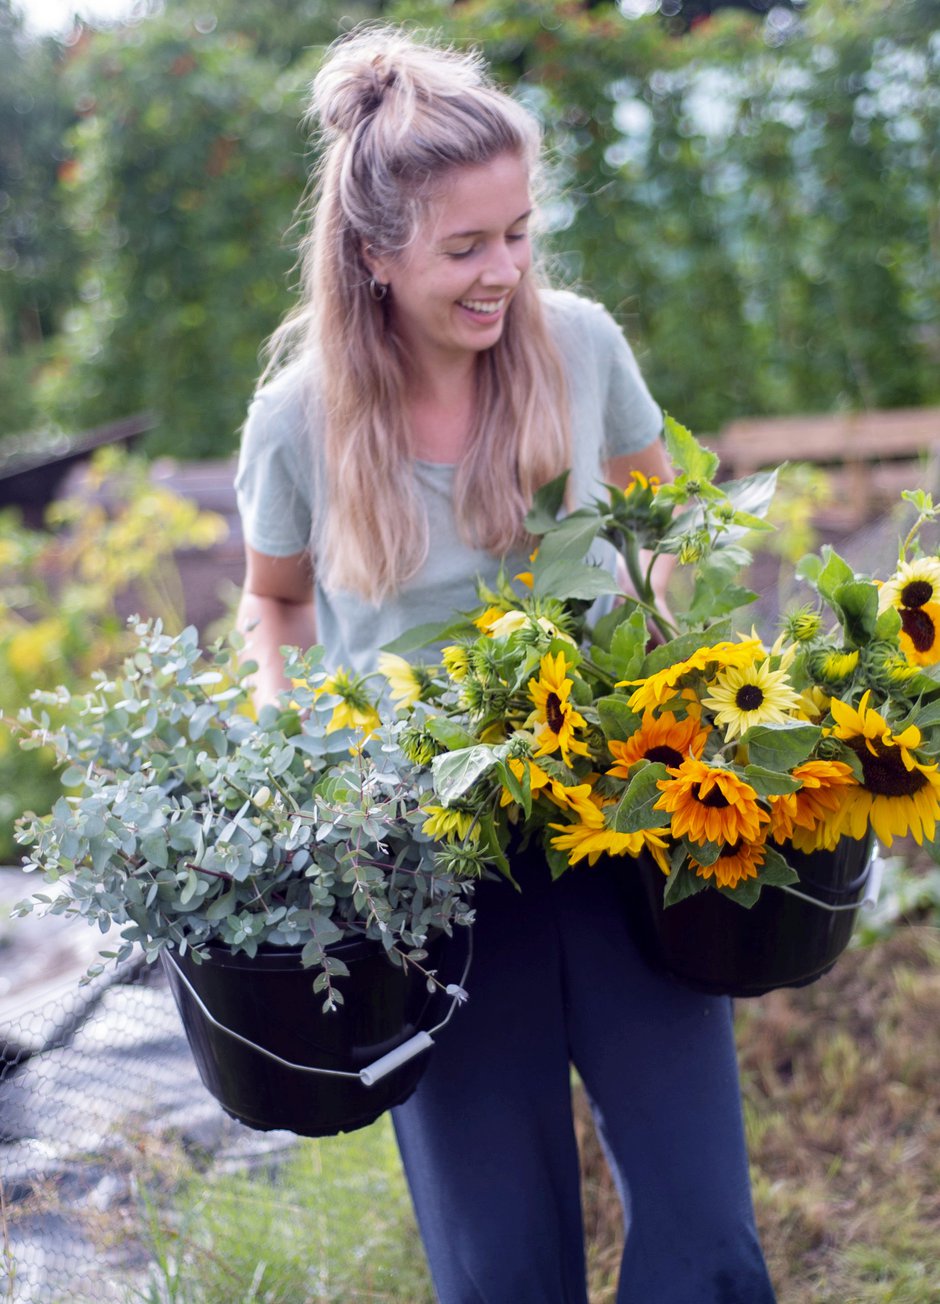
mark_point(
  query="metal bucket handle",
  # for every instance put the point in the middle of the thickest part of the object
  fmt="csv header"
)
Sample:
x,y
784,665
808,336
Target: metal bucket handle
x,y
371,1073
871,883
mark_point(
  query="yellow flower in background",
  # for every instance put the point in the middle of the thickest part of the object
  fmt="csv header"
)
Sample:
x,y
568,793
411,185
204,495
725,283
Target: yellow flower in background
x,y
508,623
914,584
487,618
663,738
554,719
36,645
819,797
737,862
526,577
899,793
657,689
450,825
406,682
709,804
919,634
742,697
814,703
355,709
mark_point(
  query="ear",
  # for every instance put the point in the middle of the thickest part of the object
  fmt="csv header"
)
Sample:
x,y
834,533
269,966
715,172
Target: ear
x,y
377,266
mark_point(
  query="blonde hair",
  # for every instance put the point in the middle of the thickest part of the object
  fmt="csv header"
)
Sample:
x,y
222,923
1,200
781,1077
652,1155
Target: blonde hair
x,y
396,116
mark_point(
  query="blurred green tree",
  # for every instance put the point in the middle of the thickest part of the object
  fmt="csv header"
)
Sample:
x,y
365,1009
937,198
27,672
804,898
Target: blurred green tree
x,y
37,253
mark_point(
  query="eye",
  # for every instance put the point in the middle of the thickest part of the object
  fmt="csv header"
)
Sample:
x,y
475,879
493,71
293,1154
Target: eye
x,y
461,253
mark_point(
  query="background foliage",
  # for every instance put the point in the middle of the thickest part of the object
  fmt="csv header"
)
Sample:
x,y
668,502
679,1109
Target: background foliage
x,y
758,200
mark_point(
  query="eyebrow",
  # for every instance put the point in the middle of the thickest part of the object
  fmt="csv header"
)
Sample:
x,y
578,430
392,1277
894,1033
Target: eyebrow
x,y
463,235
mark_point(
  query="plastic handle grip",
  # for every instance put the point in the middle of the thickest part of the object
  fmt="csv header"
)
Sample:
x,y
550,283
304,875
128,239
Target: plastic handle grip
x,y
873,886
370,1075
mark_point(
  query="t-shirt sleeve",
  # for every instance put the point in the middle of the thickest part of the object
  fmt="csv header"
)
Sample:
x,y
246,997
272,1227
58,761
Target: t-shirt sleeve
x,y
632,417
272,484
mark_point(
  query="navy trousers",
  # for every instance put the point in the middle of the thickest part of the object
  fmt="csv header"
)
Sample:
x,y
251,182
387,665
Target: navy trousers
x,y
488,1139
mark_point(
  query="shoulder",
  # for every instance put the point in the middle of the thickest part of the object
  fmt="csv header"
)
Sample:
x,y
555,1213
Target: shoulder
x,y
281,409
581,325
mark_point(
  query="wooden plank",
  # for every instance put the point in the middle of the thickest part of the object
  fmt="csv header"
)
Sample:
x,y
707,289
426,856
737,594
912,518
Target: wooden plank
x,y
747,444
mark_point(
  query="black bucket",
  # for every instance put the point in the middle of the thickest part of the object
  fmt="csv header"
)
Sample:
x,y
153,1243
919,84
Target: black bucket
x,y
714,945
273,1058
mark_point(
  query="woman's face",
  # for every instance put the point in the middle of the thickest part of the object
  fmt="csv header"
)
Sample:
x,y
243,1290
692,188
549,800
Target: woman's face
x,y
449,290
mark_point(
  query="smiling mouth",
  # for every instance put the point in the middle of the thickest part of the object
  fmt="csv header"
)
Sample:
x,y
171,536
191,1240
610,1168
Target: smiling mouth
x,y
489,307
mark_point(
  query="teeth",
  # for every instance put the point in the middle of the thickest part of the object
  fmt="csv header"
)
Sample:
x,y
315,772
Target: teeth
x,y
490,306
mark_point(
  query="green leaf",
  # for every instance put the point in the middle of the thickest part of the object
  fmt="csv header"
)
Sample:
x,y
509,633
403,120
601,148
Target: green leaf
x,y
888,624
832,575
616,718
775,871
752,496
420,636
628,645
456,772
686,453
520,789
546,504
449,733
857,605
682,883
780,746
635,808
745,894
153,847
769,783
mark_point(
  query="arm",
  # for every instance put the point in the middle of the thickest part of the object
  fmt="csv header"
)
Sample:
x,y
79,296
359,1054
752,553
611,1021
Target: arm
x,y
652,461
276,610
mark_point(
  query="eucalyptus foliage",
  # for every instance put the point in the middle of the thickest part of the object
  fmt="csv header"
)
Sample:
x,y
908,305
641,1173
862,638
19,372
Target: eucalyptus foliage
x,y
191,822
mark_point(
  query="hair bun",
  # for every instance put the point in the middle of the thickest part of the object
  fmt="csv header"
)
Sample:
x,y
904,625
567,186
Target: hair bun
x,y
360,69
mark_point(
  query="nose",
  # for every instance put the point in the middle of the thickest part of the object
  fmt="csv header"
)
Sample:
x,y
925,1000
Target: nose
x,y
504,266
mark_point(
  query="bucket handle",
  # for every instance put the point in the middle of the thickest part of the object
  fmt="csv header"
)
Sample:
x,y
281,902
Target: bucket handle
x,y
370,1074
871,884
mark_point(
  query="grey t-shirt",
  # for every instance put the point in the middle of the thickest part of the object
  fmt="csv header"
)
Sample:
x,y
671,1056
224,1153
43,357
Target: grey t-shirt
x,y
280,481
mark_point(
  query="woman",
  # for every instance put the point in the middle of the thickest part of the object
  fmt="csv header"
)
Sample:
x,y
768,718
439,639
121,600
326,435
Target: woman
x,y
426,387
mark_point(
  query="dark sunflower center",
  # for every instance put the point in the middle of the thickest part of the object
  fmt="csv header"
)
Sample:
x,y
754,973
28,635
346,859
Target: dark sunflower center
x,y
916,593
553,712
715,796
749,698
668,755
885,774
918,626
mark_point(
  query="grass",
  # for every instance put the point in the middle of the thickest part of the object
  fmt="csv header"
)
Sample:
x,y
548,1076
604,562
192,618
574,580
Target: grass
x,y
332,1223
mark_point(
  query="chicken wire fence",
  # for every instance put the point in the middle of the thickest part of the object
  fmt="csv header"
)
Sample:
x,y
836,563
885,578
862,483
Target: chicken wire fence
x,y
99,1098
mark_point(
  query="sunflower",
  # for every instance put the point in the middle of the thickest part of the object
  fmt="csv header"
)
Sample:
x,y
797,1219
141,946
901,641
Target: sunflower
x,y
355,709
658,688
659,738
488,617
914,584
748,695
456,661
443,823
408,683
709,804
820,795
899,793
554,718
582,840
737,862
919,634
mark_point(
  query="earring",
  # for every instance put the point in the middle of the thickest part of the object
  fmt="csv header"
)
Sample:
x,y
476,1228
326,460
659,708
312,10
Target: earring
x,y
377,289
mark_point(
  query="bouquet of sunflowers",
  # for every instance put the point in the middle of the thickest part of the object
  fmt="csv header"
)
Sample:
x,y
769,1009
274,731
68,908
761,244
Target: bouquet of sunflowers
x,y
710,750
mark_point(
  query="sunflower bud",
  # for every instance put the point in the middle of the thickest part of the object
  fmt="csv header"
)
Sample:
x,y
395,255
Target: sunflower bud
x,y
803,626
